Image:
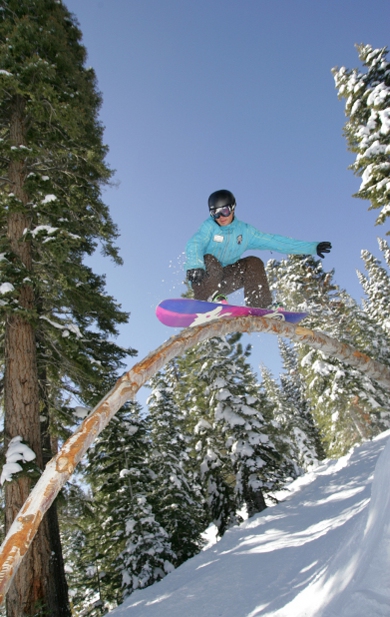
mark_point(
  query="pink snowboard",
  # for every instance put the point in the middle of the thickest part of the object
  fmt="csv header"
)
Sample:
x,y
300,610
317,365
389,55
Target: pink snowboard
x,y
184,312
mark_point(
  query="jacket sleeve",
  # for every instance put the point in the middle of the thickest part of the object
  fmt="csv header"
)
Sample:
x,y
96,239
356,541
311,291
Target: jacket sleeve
x,y
196,247
281,244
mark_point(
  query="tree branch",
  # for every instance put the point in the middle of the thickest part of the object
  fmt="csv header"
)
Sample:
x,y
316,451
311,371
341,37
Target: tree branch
x,y
61,467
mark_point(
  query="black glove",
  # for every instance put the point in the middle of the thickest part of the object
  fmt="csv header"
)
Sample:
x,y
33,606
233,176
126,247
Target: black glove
x,y
196,275
323,247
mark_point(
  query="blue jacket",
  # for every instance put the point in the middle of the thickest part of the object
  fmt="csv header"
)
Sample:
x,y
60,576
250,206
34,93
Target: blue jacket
x,y
228,243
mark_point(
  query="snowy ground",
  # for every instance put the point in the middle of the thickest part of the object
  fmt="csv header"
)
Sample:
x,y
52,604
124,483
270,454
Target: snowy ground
x,y
324,552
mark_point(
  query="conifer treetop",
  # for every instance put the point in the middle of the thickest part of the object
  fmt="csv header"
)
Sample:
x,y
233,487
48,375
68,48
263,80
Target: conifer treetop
x,y
367,130
52,172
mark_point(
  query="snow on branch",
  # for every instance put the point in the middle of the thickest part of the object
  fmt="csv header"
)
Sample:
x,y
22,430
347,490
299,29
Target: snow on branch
x,y
17,453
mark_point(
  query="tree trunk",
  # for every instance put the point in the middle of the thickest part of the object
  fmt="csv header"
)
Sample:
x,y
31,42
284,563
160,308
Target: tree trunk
x,y
30,586
56,565
32,591
255,501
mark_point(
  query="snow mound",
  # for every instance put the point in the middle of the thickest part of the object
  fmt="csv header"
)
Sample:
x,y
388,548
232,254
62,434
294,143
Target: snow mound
x,y
322,552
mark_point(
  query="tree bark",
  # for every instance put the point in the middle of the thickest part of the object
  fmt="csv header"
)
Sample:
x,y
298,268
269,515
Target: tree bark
x,y
33,590
255,502
56,565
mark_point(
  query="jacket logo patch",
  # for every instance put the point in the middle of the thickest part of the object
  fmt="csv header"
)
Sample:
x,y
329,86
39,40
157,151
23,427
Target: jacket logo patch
x,y
218,238
239,239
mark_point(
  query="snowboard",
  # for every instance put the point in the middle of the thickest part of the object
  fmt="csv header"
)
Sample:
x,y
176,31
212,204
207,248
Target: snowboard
x,y
184,312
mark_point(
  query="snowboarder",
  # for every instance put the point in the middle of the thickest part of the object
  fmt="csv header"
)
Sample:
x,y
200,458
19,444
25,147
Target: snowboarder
x,y
213,254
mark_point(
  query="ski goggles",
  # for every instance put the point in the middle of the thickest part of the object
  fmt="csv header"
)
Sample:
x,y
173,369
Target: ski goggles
x,y
224,211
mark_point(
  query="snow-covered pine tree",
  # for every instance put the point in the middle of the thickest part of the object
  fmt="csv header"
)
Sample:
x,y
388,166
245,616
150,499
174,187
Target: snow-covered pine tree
x,y
238,412
308,446
58,317
346,404
175,492
80,539
301,284
376,286
147,556
198,368
119,448
367,130
278,413
134,550
237,461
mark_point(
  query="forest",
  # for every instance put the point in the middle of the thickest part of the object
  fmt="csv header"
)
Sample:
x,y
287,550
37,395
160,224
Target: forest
x,y
215,442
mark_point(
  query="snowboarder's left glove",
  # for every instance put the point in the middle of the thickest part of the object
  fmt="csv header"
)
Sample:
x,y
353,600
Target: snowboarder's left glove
x,y
196,275
323,247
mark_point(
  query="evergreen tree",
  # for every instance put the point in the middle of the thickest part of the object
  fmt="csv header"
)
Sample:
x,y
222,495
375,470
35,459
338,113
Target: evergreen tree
x,y
80,538
376,285
134,550
207,362
308,446
280,425
57,318
347,405
116,456
367,130
177,498
301,284
236,459
238,414
147,556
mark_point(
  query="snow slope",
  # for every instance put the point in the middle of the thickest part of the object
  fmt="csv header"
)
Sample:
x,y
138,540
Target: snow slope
x,y
323,551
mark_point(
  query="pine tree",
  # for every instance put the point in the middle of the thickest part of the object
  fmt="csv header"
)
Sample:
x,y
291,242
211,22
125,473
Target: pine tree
x,y
80,538
209,458
376,285
176,495
207,362
134,550
238,413
307,442
117,455
301,284
236,459
368,127
347,405
278,414
57,317
147,556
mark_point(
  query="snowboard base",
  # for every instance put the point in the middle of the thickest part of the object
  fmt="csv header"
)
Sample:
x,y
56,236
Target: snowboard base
x,y
185,312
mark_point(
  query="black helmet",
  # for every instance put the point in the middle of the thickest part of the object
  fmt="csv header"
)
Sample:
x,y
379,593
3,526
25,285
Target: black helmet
x,y
221,198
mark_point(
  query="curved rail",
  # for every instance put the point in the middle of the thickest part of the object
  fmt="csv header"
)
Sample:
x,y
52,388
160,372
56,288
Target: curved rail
x,y
61,467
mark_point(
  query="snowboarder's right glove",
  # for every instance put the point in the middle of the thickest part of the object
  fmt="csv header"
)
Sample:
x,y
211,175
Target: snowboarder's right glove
x,y
323,247
196,275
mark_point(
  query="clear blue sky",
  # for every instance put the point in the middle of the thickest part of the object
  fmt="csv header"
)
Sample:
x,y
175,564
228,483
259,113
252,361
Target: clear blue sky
x,y
238,94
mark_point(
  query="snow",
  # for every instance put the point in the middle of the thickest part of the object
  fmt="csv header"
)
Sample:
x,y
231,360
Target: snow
x,y
385,120
66,327
323,551
6,288
81,412
375,148
17,451
48,198
46,228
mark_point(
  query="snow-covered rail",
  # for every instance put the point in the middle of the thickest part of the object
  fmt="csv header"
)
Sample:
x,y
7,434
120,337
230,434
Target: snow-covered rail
x,y
61,467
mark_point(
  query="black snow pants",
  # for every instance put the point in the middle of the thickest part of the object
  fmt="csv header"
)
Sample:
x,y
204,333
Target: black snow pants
x,y
248,273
